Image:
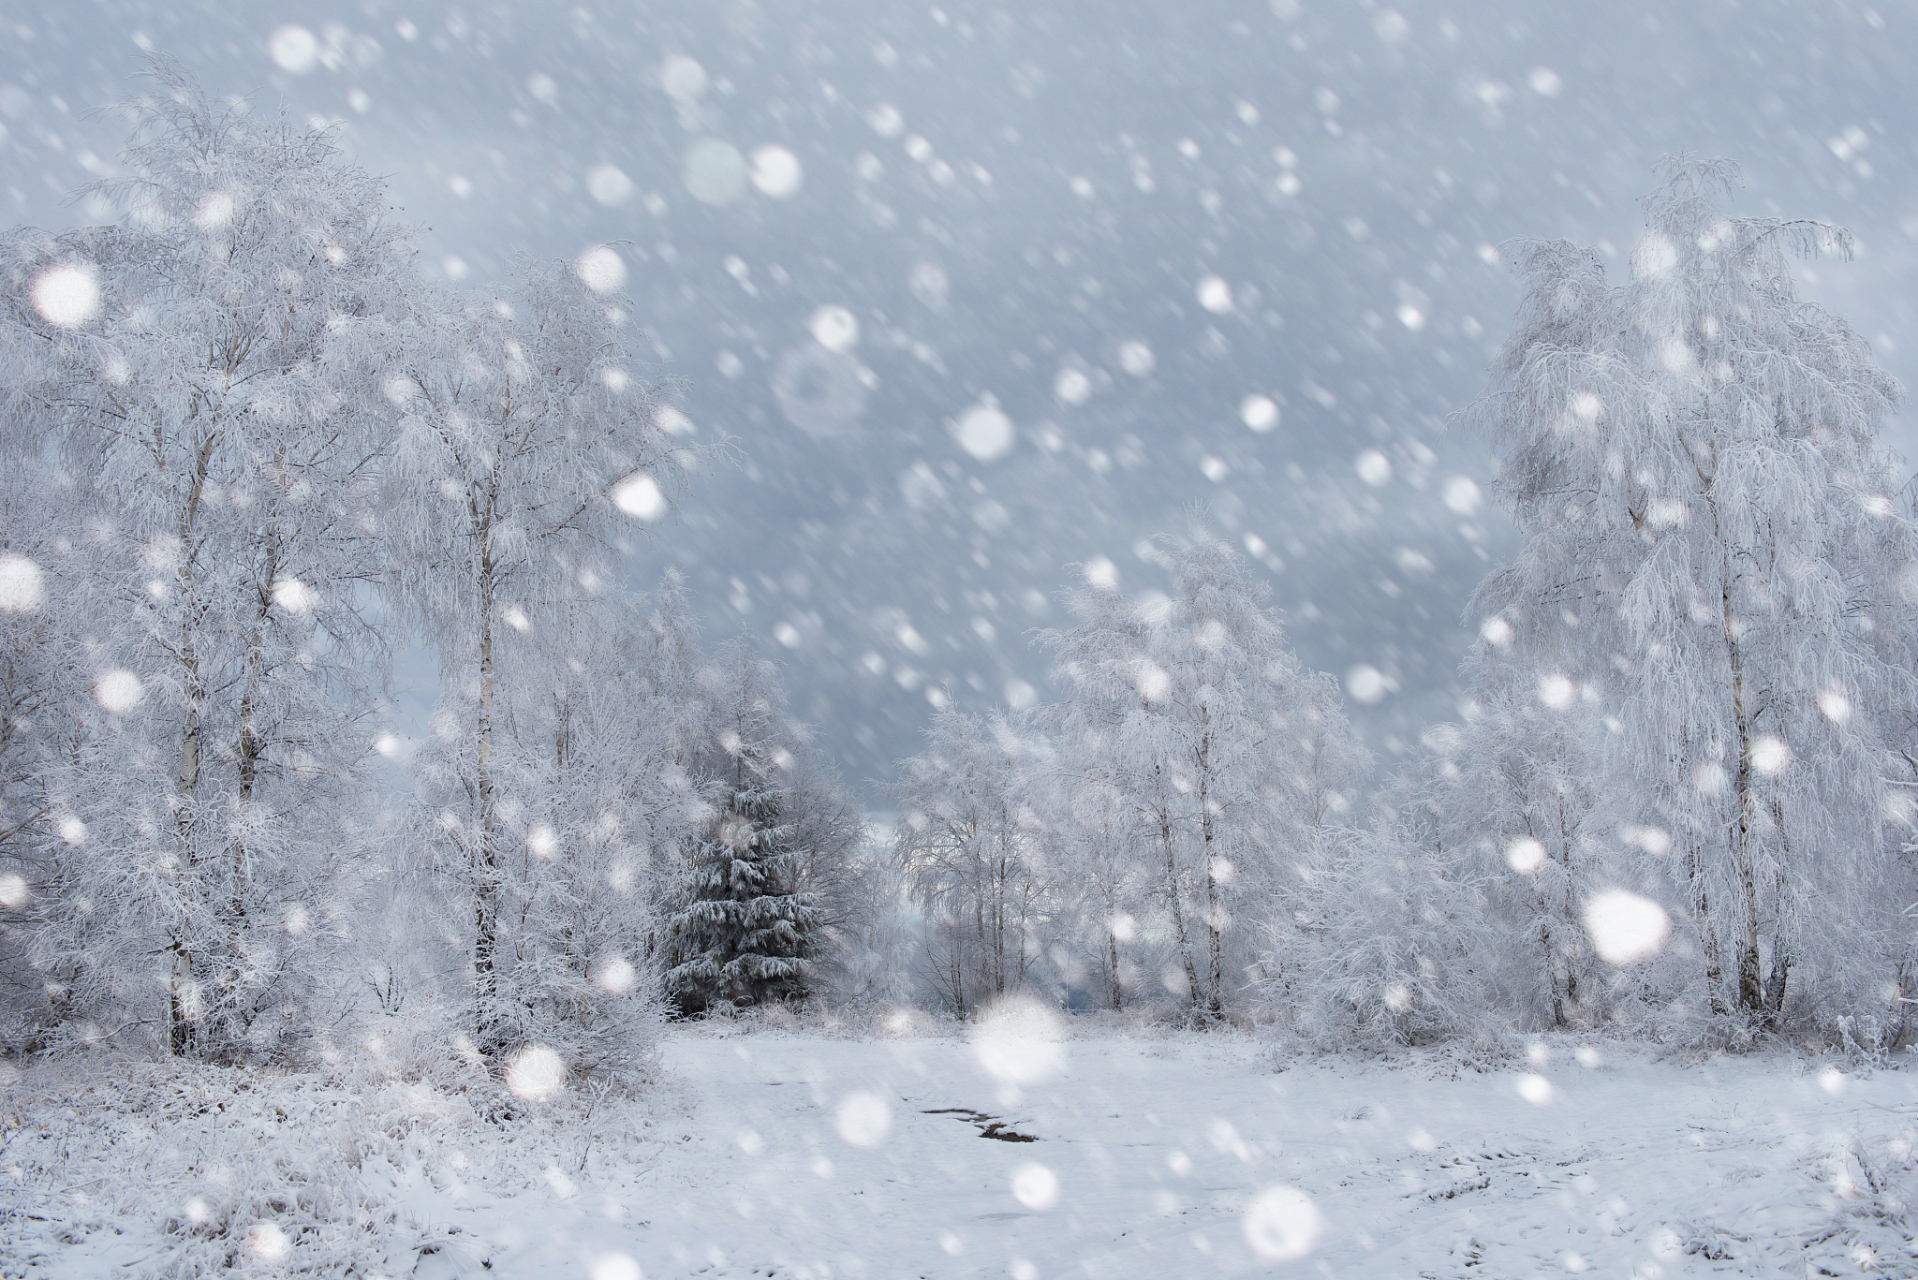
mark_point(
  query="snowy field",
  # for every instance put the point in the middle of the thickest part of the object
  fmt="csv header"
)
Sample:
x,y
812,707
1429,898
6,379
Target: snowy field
x,y
792,1155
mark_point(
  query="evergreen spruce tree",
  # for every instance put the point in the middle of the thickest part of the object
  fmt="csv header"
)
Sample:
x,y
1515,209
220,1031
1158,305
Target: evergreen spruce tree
x,y
743,932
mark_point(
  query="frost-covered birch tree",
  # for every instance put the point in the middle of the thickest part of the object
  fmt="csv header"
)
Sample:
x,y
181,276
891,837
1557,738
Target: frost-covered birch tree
x,y
528,448
1106,740
581,775
1391,942
968,847
1522,807
1233,756
1105,880
1459,909
1712,554
205,367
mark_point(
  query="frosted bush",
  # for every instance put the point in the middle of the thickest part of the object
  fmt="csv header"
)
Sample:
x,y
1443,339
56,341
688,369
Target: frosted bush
x,y
356,1178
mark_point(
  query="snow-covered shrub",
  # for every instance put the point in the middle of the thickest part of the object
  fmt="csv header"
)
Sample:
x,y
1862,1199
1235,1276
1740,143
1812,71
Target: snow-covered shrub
x,y
1388,946
256,1172
42,661
1873,1193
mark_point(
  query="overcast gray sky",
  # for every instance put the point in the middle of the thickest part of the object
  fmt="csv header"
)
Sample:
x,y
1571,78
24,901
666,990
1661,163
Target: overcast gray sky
x,y
1115,225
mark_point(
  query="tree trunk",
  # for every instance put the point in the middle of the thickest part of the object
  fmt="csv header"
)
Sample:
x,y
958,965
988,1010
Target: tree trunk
x,y
1751,993
958,977
1569,952
181,1039
251,748
1782,958
182,1016
1551,972
1708,939
181,1031
1178,912
979,930
999,880
1215,967
1781,963
485,851
1215,975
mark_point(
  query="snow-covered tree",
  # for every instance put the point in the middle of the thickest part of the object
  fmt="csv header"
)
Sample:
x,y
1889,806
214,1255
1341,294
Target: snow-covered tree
x,y
1518,805
42,622
1712,557
528,447
746,923
1093,836
206,368
858,945
1457,910
581,789
602,740
1233,758
968,847
1107,745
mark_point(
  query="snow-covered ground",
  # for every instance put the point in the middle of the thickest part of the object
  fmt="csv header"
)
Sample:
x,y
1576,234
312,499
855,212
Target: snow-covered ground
x,y
1167,1154
804,1155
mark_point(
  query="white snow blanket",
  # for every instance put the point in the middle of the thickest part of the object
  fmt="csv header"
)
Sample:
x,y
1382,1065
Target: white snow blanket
x,y
1194,1157
793,1155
